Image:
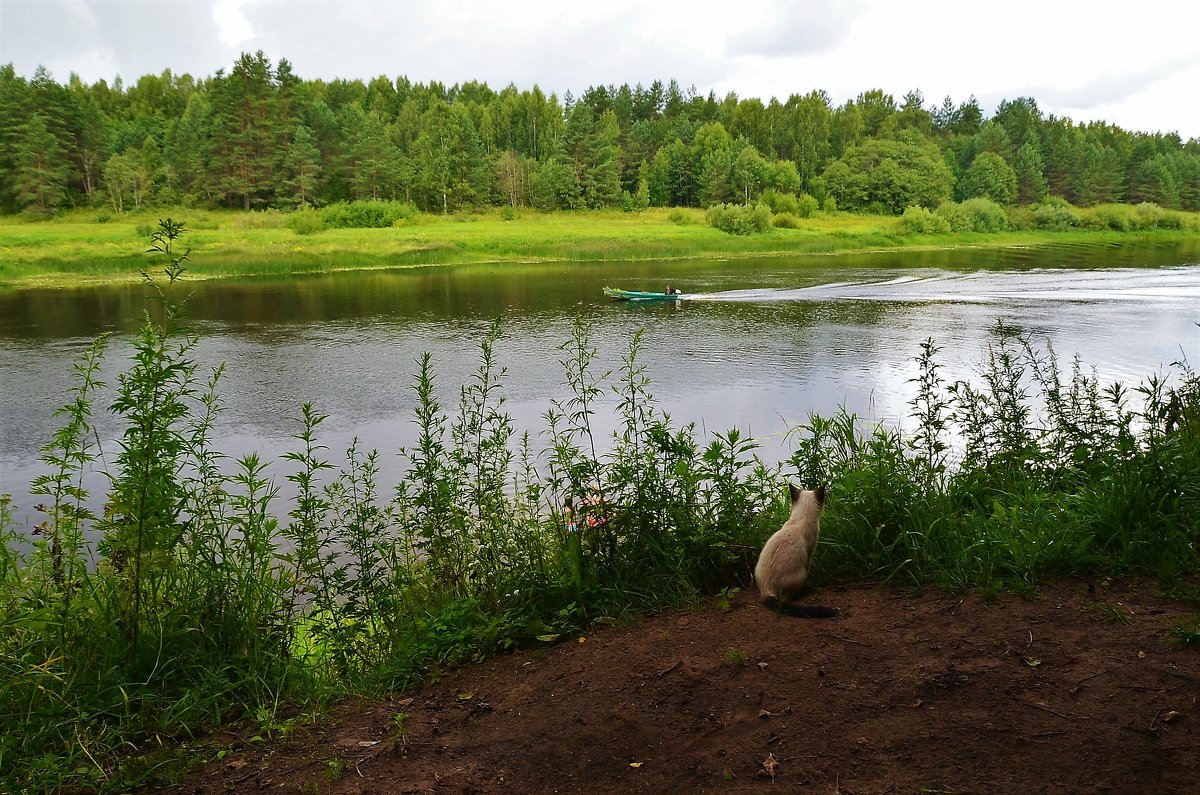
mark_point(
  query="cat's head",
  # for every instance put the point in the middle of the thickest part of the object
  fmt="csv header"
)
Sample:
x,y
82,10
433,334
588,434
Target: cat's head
x,y
818,494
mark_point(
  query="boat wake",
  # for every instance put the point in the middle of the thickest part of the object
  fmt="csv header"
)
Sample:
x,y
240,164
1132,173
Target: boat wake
x,y
1180,284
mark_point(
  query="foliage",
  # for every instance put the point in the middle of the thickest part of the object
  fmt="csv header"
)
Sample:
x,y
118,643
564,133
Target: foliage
x,y
781,202
368,214
739,219
802,206
306,221
891,174
989,176
985,215
1056,214
257,135
920,221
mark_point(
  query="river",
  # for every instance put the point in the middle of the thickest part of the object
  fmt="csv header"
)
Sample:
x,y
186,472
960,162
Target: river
x,y
757,344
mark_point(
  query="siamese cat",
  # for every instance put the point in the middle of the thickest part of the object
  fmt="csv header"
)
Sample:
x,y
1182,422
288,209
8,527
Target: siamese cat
x,y
783,565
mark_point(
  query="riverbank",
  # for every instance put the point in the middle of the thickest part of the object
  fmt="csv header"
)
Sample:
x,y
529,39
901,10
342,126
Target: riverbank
x,y
1086,684
78,249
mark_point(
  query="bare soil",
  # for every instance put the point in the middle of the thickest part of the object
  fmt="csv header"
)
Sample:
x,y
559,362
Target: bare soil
x,y
1080,690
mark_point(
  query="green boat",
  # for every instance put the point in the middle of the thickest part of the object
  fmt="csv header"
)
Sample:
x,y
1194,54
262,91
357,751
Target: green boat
x,y
634,295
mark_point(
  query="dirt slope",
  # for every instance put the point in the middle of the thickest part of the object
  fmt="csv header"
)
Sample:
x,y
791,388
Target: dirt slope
x,y
1073,692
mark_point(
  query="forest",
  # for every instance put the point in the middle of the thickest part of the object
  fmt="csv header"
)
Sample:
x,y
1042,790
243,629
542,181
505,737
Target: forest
x,y
260,136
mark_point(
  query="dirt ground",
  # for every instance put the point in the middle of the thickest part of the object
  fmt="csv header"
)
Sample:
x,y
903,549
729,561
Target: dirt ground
x,y
1080,690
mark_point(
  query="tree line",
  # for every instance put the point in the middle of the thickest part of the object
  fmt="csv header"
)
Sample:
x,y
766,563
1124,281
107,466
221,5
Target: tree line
x,y
260,136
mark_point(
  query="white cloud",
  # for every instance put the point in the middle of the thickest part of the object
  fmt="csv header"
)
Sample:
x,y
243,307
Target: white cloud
x,y
809,27
234,28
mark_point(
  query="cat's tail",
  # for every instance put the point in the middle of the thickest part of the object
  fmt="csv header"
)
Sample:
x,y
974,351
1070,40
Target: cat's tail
x,y
802,611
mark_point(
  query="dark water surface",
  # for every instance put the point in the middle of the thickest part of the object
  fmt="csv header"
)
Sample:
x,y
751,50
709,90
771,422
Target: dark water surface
x,y
758,344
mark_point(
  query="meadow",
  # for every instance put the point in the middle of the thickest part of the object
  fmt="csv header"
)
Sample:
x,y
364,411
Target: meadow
x,y
85,247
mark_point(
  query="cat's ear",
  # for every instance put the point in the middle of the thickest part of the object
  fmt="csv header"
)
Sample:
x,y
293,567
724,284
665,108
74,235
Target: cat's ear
x,y
794,492
820,494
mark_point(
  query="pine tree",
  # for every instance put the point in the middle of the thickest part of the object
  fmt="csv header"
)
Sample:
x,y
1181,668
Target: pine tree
x,y
1027,166
40,177
244,130
301,168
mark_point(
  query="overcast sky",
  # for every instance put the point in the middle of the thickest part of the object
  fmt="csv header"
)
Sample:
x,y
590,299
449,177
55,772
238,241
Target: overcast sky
x,y
1135,64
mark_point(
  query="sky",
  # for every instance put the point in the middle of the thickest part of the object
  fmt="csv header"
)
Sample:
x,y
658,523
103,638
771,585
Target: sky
x,y
1136,65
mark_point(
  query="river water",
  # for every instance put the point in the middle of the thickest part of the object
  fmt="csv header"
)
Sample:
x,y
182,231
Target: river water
x,y
757,344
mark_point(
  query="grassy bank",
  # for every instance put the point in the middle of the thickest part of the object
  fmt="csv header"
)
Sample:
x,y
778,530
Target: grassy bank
x,y
207,600
76,249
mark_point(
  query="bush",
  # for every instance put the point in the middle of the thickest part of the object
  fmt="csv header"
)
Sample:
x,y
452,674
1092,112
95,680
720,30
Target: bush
x,y
508,213
306,221
829,205
681,217
739,219
985,215
953,215
781,202
808,205
367,214
1118,217
1172,220
1149,215
1056,215
920,221
1020,219
633,202
785,221
103,217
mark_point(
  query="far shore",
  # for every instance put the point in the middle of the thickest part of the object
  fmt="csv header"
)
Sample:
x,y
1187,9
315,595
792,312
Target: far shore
x,y
77,249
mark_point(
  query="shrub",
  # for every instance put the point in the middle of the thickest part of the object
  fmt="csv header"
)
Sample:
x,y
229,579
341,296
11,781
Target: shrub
x,y
953,214
103,217
1172,220
1020,218
681,217
829,205
808,205
985,215
1118,217
920,221
1056,215
633,202
781,202
785,221
739,219
1149,215
367,214
306,221
508,213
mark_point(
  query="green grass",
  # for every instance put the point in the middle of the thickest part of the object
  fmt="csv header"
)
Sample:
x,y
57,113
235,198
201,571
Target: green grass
x,y
74,249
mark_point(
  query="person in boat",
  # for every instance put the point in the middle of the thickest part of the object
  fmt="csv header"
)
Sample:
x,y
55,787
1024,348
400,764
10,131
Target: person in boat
x,y
671,291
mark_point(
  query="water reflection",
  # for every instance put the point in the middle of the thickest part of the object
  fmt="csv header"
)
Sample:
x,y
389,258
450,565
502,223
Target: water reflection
x,y
759,344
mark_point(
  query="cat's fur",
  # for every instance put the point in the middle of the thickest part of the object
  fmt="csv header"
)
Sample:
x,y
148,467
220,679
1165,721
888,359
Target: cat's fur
x,y
783,565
